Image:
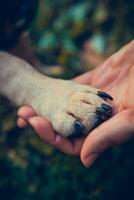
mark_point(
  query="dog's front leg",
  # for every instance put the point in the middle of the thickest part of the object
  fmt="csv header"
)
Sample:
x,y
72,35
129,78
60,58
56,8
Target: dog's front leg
x,y
72,109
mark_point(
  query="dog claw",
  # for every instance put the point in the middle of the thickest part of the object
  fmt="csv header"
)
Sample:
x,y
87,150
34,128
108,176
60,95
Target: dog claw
x,y
79,126
100,111
106,107
103,113
105,95
78,130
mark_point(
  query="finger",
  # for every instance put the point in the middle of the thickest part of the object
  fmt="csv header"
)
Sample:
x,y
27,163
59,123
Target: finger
x,y
84,78
21,123
124,55
114,131
45,131
26,112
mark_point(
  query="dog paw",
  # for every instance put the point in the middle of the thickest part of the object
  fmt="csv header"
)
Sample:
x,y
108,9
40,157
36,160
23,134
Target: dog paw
x,y
73,109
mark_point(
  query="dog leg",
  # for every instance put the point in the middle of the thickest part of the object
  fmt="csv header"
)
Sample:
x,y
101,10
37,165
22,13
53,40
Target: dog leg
x,y
72,109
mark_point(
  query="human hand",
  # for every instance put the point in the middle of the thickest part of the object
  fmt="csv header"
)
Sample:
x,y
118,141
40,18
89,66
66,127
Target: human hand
x,y
27,116
114,77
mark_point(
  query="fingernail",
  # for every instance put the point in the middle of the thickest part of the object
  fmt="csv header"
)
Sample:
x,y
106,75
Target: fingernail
x,y
90,160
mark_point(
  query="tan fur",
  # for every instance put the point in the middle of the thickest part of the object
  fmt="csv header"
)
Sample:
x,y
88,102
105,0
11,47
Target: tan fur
x,y
62,102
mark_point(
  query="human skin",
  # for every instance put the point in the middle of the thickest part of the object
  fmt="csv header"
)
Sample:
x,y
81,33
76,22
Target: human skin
x,y
116,77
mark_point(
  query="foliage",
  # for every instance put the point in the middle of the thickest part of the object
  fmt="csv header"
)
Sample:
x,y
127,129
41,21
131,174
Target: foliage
x,y
31,169
63,27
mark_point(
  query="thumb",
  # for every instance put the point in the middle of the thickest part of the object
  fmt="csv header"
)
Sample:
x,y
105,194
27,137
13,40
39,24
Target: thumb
x,y
114,131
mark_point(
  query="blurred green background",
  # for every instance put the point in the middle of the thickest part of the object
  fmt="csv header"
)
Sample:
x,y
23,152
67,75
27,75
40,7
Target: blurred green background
x,y
65,34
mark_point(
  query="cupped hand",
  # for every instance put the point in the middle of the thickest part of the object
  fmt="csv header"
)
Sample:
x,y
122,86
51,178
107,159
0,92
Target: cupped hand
x,y
115,76
27,116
